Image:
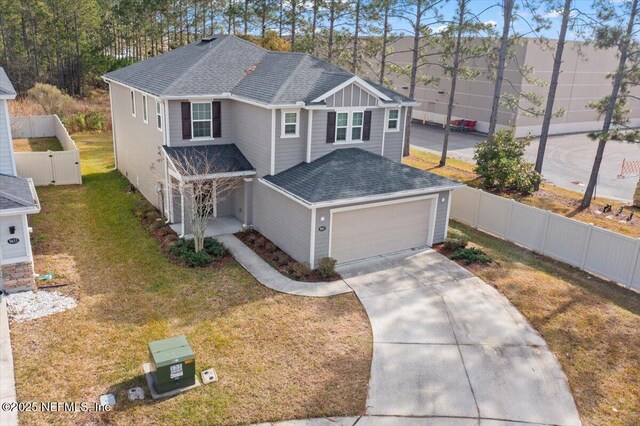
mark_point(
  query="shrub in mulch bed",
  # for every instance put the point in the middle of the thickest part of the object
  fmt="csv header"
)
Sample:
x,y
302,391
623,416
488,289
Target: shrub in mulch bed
x,y
455,248
284,263
178,250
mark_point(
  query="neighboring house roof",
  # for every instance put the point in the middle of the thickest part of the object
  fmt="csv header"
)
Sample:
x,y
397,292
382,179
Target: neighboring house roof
x,y
354,173
6,88
226,64
17,193
208,159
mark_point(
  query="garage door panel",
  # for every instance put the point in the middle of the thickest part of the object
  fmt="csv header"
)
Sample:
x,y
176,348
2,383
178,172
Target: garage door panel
x,y
371,231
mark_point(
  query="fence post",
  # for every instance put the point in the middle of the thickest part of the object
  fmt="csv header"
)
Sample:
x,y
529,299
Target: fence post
x,y
475,220
585,247
545,231
634,266
509,219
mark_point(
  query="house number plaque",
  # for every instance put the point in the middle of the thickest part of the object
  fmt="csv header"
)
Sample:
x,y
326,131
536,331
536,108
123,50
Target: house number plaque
x,y
13,240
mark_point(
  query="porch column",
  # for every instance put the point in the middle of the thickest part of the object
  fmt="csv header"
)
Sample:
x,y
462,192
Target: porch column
x,y
247,202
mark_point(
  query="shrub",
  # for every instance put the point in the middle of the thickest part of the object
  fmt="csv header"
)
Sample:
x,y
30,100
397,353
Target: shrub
x,y
327,267
471,255
502,166
214,248
185,251
51,99
299,270
95,121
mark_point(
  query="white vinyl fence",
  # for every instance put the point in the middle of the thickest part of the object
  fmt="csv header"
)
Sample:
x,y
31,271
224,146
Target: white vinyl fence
x,y
604,253
47,167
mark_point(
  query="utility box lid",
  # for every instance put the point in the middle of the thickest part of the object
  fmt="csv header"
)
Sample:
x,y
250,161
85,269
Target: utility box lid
x,y
170,351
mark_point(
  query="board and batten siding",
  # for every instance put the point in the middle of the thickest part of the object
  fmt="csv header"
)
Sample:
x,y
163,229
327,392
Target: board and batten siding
x,y
322,237
227,125
291,151
252,129
138,143
286,223
6,144
350,96
14,252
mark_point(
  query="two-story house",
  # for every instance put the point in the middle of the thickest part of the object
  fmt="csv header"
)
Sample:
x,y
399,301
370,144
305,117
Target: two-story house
x,y
317,149
18,199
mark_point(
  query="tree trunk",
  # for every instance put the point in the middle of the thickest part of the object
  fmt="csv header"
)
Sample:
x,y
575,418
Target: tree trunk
x,y
502,58
314,24
280,20
356,34
294,12
553,85
454,81
332,21
385,37
608,117
414,75
246,17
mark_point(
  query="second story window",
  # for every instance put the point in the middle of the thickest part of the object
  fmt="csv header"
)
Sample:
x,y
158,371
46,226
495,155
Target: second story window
x,y
290,125
201,119
158,115
356,126
393,121
342,125
145,109
133,103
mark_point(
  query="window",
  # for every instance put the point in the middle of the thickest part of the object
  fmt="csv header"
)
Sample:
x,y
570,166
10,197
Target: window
x,y
133,103
356,126
342,125
289,128
392,122
158,115
201,119
145,111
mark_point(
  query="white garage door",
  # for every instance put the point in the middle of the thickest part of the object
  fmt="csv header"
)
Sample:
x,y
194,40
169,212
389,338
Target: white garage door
x,y
380,228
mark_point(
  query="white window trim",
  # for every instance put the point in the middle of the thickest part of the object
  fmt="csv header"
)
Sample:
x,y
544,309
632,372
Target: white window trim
x,y
349,127
145,109
386,126
132,101
159,115
283,112
201,138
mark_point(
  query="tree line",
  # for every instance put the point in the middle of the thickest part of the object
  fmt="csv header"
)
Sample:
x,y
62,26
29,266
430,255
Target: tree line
x,y
71,43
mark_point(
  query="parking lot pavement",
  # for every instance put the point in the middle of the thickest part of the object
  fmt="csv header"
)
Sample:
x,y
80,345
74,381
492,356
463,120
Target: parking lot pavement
x,y
568,158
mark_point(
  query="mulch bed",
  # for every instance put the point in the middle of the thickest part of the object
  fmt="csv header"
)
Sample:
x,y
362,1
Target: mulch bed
x,y
280,260
473,267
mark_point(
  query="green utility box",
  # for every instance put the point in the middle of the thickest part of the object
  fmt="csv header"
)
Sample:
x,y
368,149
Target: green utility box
x,y
173,364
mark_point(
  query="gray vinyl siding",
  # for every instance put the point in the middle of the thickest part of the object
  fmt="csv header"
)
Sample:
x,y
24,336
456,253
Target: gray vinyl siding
x,y
320,147
286,223
6,148
322,237
393,140
253,135
175,124
291,151
238,202
351,95
138,143
13,251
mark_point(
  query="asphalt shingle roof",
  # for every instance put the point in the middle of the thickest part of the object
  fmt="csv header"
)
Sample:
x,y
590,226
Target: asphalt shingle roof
x,y
6,88
352,173
15,192
208,159
228,64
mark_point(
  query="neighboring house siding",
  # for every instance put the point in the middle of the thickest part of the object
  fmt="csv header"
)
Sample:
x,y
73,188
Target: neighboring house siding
x,y
13,251
291,151
393,140
175,124
253,135
352,95
320,147
138,143
322,237
6,147
285,222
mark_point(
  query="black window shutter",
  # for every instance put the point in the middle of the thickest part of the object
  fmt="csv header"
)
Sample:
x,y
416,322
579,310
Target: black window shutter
x,y
366,127
331,127
216,115
186,120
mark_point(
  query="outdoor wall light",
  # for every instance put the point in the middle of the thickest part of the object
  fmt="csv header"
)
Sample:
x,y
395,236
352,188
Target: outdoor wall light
x,y
321,218
12,230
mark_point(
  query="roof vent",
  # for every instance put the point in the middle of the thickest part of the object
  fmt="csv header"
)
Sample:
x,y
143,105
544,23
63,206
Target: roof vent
x,y
208,39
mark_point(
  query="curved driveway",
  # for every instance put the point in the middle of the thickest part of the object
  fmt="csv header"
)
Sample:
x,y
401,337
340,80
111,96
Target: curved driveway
x,y
447,347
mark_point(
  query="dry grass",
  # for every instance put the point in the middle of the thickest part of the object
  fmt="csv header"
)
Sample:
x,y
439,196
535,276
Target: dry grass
x,y
558,200
36,145
277,356
592,326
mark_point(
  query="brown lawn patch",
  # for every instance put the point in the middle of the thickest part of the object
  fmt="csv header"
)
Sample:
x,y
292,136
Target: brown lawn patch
x,y
36,145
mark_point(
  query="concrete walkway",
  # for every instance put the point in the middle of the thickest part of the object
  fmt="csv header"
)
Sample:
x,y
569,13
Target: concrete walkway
x,y
7,381
447,347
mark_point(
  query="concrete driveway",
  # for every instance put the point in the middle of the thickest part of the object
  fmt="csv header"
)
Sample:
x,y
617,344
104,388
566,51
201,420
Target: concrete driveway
x,y
568,158
447,345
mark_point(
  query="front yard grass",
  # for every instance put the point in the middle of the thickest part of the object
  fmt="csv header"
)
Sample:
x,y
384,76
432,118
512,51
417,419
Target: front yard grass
x,y
37,145
592,326
555,199
277,356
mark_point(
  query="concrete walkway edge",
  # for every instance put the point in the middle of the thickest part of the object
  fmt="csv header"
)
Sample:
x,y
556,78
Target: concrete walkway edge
x,y
7,380
269,277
